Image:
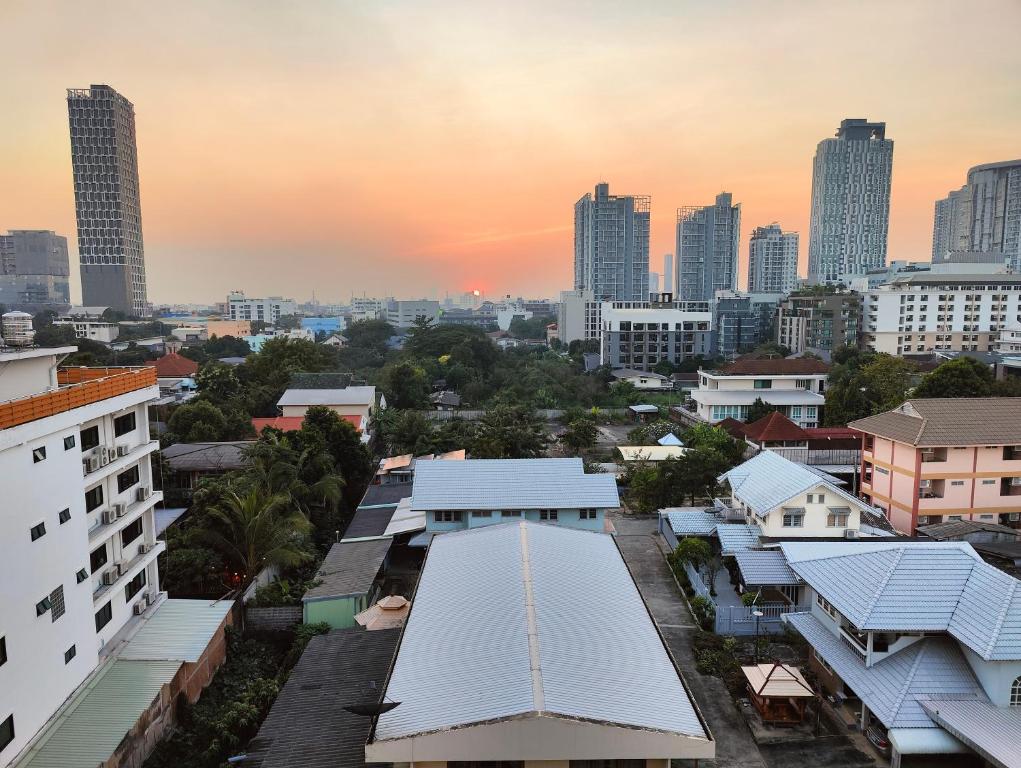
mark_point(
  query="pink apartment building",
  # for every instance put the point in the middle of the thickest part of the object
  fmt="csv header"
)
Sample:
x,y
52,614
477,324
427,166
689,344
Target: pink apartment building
x,y
941,459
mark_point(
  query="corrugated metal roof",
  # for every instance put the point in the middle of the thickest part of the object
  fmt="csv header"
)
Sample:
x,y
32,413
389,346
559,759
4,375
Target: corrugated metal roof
x,y
345,396
179,630
101,713
510,484
405,520
207,456
735,537
916,586
466,656
765,567
993,732
690,521
894,688
350,568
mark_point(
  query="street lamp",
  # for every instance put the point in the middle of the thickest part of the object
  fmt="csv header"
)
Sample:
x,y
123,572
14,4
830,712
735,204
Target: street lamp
x,y
758,615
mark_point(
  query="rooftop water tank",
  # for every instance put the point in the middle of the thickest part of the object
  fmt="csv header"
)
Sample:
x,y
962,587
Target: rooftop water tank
x,y
17,329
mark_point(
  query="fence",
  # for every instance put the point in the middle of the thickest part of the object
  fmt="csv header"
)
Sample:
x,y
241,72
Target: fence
x,y
697,583
273,619
740,619
549,414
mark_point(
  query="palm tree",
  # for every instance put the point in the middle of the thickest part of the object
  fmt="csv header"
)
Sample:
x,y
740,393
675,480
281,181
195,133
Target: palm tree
x,y
277,469
255,530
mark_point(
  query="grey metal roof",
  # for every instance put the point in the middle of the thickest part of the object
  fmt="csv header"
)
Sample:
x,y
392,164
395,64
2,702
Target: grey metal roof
x,y
207,457
644,408
388,494
522,619
894,688
735,537
99,715
765,567
178,630
691,521
510,484
953,528
345,396
916,586
767,480
349,568
308,726
994,732
369,522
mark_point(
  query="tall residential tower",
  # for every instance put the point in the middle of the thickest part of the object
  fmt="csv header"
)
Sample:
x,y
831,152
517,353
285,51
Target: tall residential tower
x,y
34,269
946,223
611,245
707,243
772,260
105,163
850,202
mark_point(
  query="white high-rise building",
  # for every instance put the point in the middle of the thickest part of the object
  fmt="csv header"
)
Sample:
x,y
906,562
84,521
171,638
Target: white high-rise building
x,y
772,260
946,224
707,246
268,310
850,202
989,220
668,272
611,245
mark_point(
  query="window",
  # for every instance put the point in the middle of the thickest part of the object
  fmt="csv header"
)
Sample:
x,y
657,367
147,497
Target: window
x,y
42,606
586,514
127,478
1015,692
826,605
93,498
957,482
511,513
57,608
447,517
37,531
123,424
69,654
82,574
69,442
837,518
793,518
763,384
131,532
547,514
481,513
103,616
988,482
134,586
3,651
6,731
39,454
64,516
98,558
90,438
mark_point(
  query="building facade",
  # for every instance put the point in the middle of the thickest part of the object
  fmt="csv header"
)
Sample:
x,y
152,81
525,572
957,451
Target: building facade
x,y
611,245
992,214
772,260
78,535
850,214
935,311
268,310
404,313
946,222
819,324
640,334
34,269
104,158
742,321
707,246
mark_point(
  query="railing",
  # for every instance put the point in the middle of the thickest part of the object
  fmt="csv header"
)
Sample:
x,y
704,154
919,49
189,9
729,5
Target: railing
x,y
78,387
697,584
741,620
860,652
819,456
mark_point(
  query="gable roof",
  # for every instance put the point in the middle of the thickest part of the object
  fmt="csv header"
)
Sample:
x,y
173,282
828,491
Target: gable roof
x,y
735,537
952,528
349,568
946,421
774,426
508,591
174,366
510,484
690,521
293,423
915,586
207,457
775,366
765,567
327,397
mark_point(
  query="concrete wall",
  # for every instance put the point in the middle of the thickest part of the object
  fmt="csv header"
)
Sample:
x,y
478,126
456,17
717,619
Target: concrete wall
x,y
272,619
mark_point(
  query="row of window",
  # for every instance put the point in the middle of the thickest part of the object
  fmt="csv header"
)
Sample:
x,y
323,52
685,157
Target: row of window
x,y
89,437
448,516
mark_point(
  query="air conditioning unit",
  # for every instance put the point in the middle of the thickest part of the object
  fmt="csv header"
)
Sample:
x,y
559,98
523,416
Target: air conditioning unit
x,y
139,608
143,493
93,463
1015,481
119,567
118,509
925,483
108,516
144,548
109,577
1014,516
850,534
123,450
923,519
104,458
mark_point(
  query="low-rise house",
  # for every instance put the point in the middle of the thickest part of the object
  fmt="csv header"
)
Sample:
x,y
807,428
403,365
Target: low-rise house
x,y
337,340
174,366
651,452
400,470
918,640
479,492
580,674
835,450
345,401
347,582
190,462
445,401
96,330
940,459
643,379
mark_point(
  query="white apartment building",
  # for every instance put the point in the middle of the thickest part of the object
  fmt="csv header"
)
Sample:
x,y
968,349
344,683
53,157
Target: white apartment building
x,y
268,310
77,536
96,330
364,308
923,312
793,386
1009,340
403,313
772,260
640,334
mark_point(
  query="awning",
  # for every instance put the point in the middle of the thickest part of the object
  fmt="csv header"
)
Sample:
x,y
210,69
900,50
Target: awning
x,y
994,732
925,741
421,540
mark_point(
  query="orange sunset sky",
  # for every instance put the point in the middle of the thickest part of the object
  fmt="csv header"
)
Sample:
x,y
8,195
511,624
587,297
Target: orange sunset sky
x,y
415,148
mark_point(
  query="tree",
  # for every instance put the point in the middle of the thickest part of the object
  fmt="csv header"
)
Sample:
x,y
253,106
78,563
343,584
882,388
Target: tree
x,y
226,346
287,322
581,433
219,382
963,377
715,439
369,334
694,551
701,467
399,432
405,385
509,432
351,458
533,328
196,422
758,410
864,384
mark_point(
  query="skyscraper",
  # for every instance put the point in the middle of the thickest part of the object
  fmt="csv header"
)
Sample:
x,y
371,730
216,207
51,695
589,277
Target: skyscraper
x,y
991,221
668,272
772,260
850,201
105,163
707,243
946,224
611,245
34,269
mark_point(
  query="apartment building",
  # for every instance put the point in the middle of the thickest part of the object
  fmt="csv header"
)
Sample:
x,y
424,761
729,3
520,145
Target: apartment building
x,y
34,269
772,260
819,323
268,310
742,321
403,313
96,330
793,386
640,334
611,245
984,215
934,460
935,311
708,238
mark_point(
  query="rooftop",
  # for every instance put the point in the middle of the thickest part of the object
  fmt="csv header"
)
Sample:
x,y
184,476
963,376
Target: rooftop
x,y
206,457
774,427
953,528
294,423
993,732
349,568
690,521
774,366
174,366
765,567
949,421
651,452
327,397
510,484
179,630
736,537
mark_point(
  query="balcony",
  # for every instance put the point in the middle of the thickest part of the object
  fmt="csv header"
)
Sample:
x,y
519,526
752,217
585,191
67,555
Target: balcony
x,y
100,530
934,455
129,568
78,387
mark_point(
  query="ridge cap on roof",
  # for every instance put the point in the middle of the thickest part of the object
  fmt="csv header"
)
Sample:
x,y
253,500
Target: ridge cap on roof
x,y
1001,617
909,678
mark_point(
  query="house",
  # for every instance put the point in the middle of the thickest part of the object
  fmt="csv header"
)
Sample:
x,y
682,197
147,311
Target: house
x,y
347,582
344,401
190,462
643,379
642,414
338,340
538,701
479,492
940,459
235,328
294,423
835,450
445,401
174,366
932,662
650,452
401,469
793,386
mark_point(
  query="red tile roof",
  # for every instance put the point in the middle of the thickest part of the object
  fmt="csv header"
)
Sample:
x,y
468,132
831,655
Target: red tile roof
x,y
175,366
293,423
775,366
732,427
774,427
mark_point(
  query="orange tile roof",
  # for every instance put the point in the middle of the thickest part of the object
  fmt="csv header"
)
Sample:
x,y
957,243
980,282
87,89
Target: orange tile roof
x,y
175,366
775,366
293,423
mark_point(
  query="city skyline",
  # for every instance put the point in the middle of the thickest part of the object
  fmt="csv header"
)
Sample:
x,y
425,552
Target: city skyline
x,y
397,195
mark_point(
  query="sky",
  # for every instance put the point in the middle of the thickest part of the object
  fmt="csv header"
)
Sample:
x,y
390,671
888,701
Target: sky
x,y
420,148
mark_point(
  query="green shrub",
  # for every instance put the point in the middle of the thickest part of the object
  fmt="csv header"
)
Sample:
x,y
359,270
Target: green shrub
x,y
705,612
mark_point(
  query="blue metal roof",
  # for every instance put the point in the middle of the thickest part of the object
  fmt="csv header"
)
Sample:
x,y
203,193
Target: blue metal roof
x,y
993,732
690,521
735,537
765,567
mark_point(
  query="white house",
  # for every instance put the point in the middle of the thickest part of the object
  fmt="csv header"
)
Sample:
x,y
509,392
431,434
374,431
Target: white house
x,y
344,401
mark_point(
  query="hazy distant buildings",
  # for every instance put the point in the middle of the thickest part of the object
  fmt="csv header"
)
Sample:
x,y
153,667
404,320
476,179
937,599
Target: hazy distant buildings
x,y
34,269
611,245
819,323
850,202
268,310
946,224
772,260
654,282
707,245
404,313
104,159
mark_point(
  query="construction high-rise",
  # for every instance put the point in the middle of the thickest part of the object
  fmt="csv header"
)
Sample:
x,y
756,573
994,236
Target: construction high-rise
x,y
104,159
707,246
850,202
772,260
611,245
34,270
